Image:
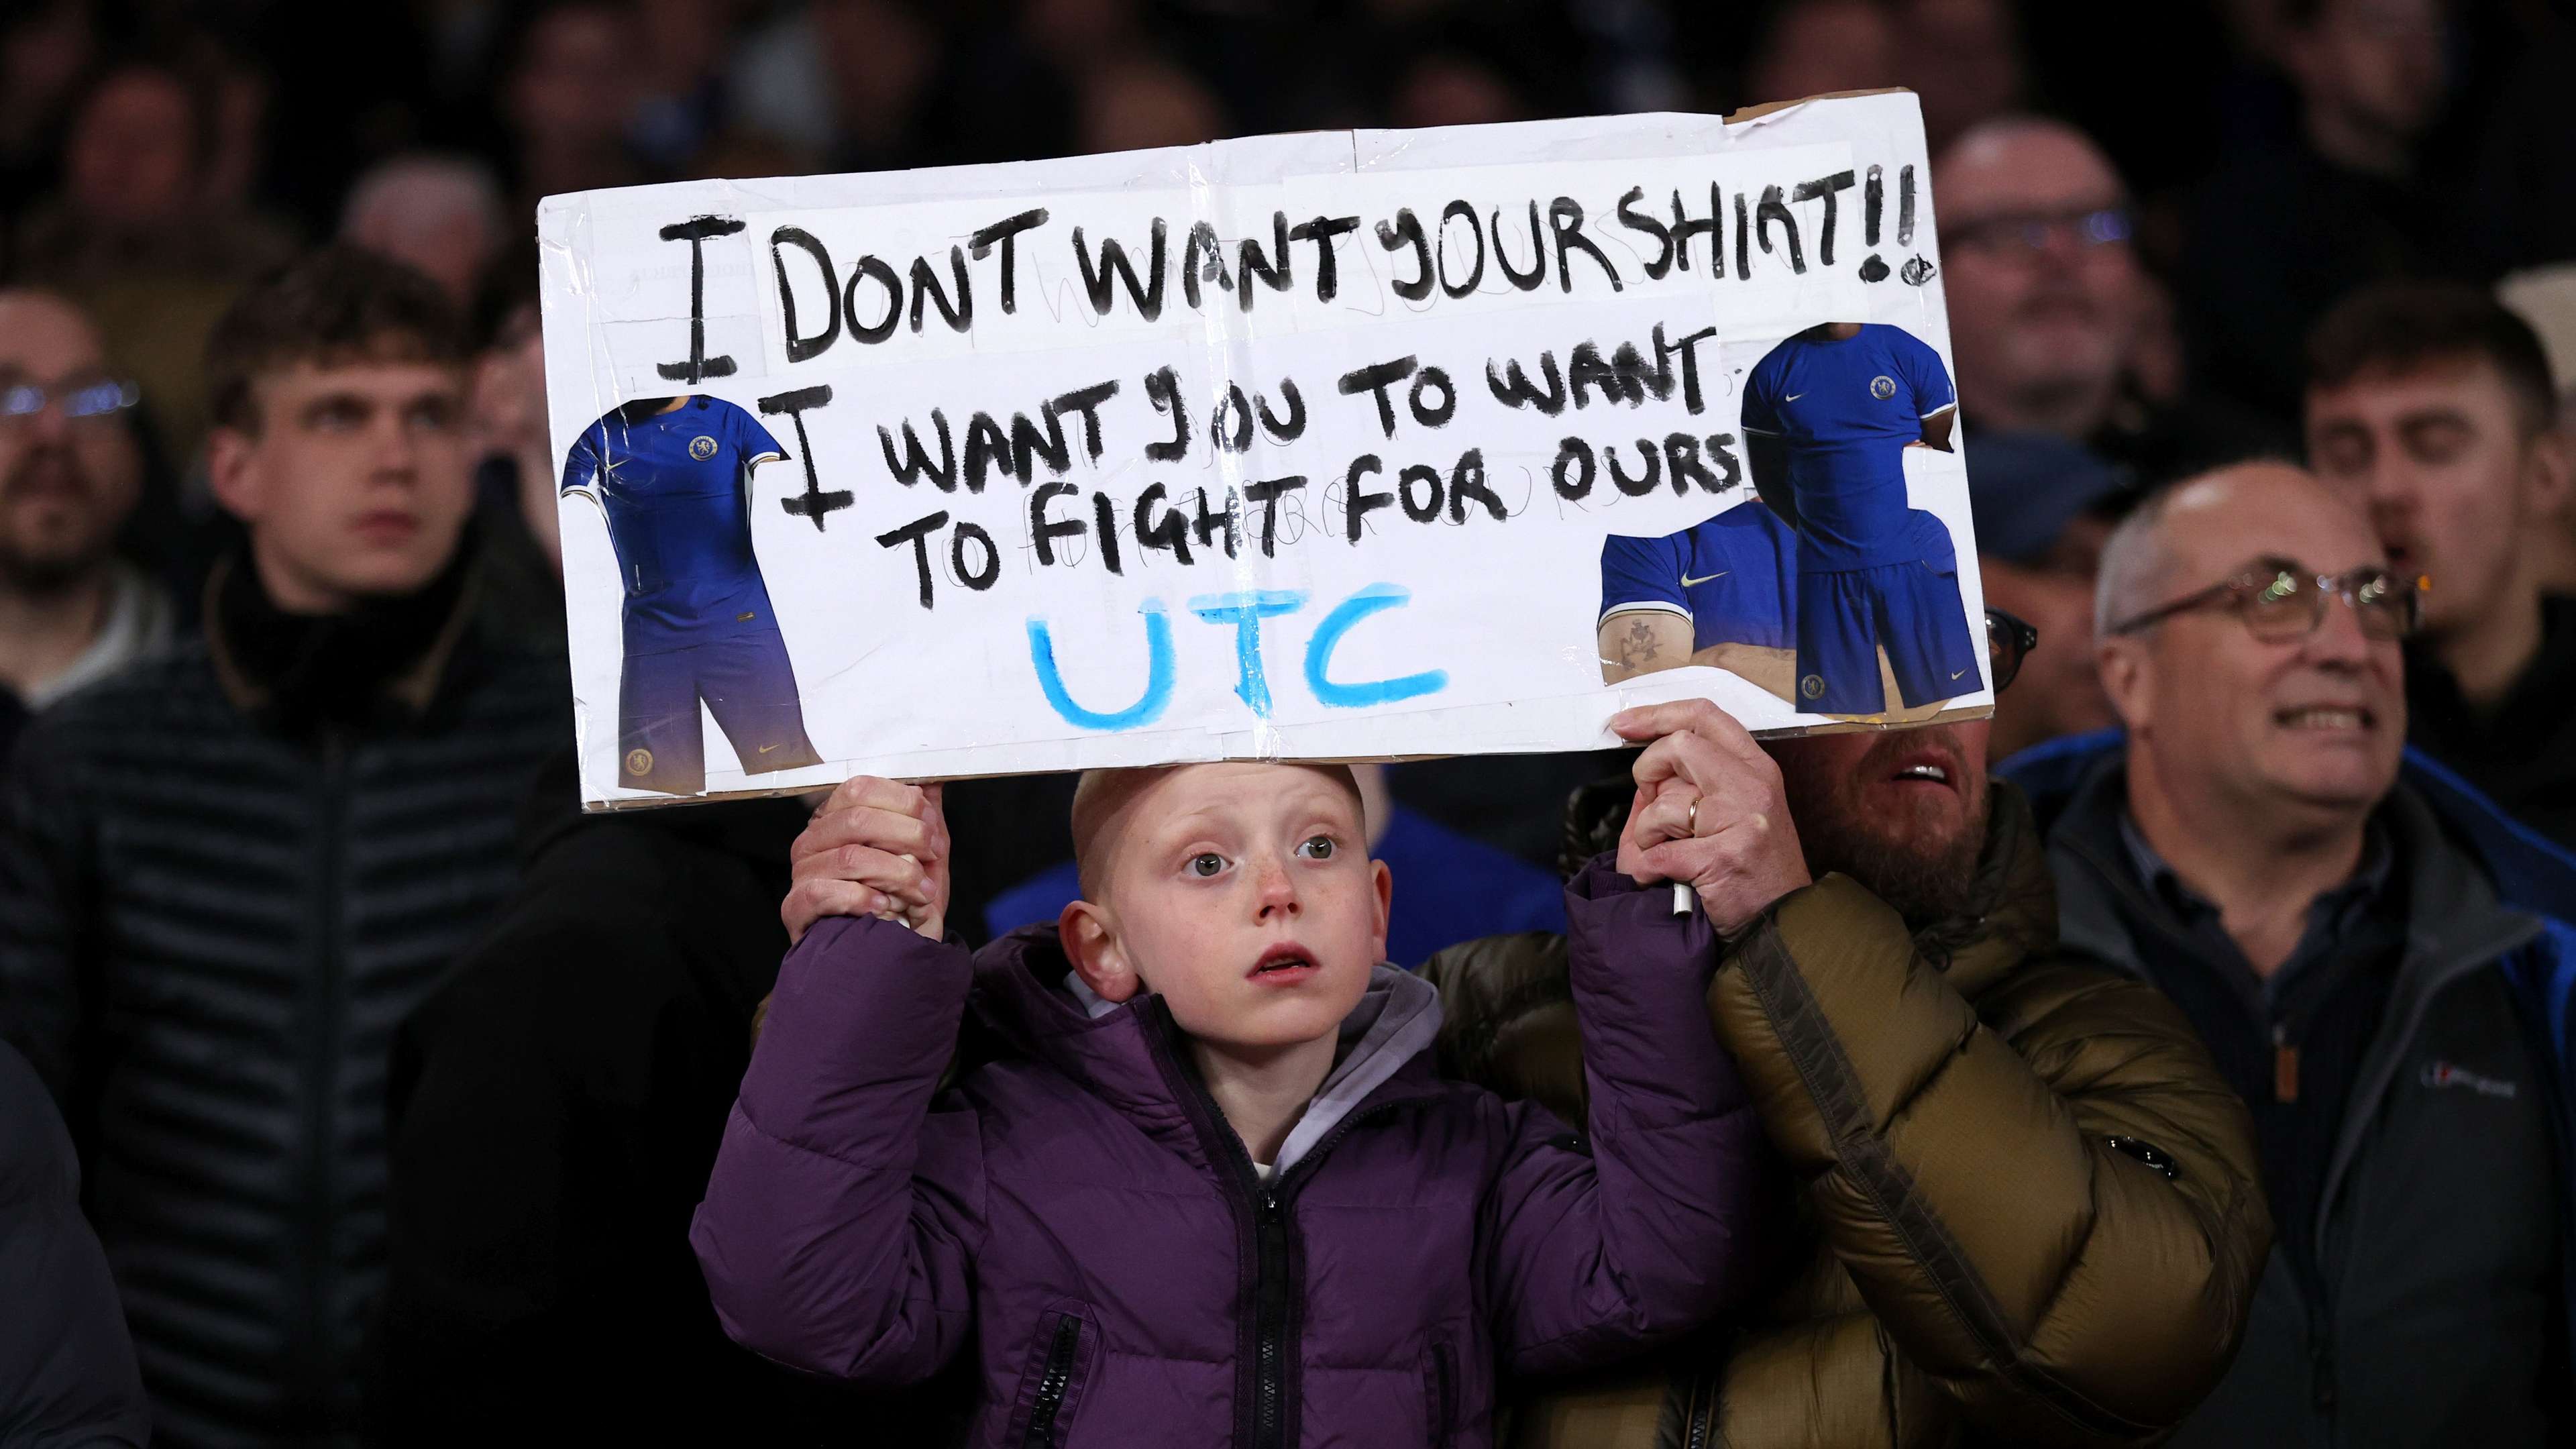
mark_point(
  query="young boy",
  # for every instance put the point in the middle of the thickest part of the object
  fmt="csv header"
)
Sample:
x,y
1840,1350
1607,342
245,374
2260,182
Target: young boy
x,y
1213,1193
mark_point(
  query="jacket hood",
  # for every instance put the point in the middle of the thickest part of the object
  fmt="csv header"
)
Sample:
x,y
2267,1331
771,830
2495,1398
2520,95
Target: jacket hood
x,y
1128,1053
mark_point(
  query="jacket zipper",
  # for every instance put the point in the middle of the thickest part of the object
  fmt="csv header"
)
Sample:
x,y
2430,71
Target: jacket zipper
x,y
2379,1065
322,1065
1698,1414
1059,1373
1274,1332
1270,1323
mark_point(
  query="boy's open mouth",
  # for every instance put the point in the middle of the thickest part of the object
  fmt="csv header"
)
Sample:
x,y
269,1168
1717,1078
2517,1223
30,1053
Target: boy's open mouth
x,y
1283,957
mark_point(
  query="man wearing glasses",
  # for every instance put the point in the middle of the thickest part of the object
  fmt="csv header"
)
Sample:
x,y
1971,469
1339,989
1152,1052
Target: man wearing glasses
x,y
2052,317
71,610
2028,1212
2355,939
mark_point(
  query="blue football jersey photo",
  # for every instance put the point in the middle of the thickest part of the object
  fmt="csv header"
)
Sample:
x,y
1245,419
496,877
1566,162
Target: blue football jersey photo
x,y
672,477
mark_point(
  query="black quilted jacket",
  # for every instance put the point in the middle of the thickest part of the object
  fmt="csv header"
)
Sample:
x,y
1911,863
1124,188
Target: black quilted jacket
x,y
208,934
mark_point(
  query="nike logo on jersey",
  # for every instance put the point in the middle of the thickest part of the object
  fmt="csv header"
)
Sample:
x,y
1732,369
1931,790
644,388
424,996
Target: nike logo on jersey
x,y
1689,582
1793,397
1955,673
765,749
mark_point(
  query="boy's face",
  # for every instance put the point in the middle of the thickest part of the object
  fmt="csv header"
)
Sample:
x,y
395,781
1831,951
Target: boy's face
x,y
355,483
1244,893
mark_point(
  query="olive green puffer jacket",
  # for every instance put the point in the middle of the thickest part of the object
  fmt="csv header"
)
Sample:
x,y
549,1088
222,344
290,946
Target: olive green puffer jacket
x,y
2028,1202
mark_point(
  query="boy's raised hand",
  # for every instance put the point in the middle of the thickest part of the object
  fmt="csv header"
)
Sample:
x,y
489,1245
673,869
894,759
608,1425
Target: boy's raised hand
x,y
875,848
1710,811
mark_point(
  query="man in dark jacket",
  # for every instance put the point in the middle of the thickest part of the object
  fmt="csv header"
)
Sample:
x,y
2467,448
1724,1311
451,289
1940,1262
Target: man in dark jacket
x,y
226,876
2341,940
556,1105
67,1377
2029,1211
2431,408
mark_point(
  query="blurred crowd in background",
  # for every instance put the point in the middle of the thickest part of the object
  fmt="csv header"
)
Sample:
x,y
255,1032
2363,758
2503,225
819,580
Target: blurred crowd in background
x,y
2142,216
2173,237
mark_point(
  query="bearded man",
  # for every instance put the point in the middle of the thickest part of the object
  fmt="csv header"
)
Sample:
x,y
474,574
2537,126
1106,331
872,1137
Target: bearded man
x,y
71,471
2027,1205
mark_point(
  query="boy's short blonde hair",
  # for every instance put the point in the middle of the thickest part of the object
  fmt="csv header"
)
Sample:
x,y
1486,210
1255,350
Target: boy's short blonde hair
x,y
1100,809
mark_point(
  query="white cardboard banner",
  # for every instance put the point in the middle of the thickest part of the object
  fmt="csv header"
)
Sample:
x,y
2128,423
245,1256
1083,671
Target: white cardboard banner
x,y
1321,446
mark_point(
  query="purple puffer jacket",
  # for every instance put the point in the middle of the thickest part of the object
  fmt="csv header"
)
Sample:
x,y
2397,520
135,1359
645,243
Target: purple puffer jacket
x,y
1083,1219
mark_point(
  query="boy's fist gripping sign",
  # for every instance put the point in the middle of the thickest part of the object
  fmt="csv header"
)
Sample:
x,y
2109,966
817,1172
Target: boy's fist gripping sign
x,y
1709,812
876,848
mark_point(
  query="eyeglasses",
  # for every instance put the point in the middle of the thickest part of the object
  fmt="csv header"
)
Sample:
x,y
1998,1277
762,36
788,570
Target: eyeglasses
x,y
2280,600
2009,640
95,400
2025,232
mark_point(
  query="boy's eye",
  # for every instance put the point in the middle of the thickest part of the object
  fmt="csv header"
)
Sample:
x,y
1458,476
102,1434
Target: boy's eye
x,y
1317,847
1206,863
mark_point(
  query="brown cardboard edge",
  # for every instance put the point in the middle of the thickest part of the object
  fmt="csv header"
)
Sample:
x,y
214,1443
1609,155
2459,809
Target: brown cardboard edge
x,y
1757,112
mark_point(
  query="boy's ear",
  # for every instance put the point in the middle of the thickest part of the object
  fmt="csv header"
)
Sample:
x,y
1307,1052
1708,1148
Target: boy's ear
x,y
229,475
1383,881
1090,936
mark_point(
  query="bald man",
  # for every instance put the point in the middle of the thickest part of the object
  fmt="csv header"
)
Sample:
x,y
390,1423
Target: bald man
x,y
71,611
443,215
2361,943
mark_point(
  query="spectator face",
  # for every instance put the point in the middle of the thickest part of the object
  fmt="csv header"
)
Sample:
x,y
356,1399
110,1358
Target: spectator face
x,y
1817,46
881,57
233,163
1244,893
1073,33
2306,727
66,483
1449,90
2375,64
1901,811
510,421
2440,459
1139,105
2045,293
2058,691
355,480
131,161
573,87
45,49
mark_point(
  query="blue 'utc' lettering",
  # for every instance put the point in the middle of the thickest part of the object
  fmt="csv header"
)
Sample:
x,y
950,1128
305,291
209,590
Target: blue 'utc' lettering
x,y
1319,655
1158,675
1245,611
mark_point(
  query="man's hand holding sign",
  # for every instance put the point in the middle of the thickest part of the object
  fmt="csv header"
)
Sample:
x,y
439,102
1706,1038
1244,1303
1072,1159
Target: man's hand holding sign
x,y
875,848
1709,813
